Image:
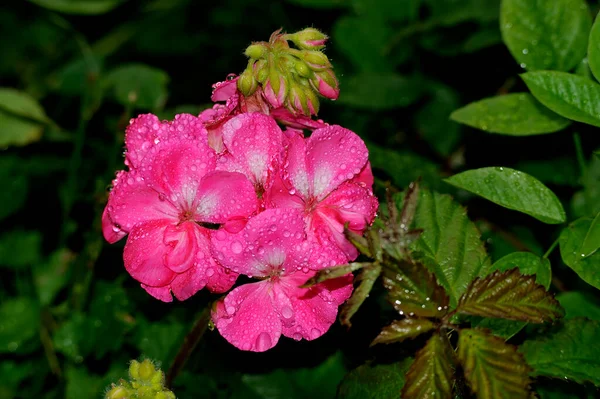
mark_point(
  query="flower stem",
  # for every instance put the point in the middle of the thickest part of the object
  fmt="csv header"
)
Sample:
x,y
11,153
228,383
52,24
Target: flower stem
x,y
580,156
187,346
549,251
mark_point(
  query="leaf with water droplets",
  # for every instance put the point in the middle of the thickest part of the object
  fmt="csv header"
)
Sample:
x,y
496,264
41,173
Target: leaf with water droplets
x,y
516,114
513,190
432,373
585,264
413,290
493,369
401,330
594,49
333,272
571,96
365,279
509,295
570,351
540,36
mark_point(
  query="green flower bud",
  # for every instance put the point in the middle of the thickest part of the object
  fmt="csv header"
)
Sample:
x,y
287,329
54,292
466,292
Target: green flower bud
x,y
309,39
316,60
247,84
118,392
146,370
303,69
256,51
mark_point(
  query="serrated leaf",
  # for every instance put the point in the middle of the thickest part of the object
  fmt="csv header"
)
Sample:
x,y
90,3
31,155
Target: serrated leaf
x,y
413,290
513,190
571,96
80,7
492,368
432,373
401,330
528,264
570,241
542,37
594,49
516,114
579,304
138,85
333,272
380,91
381,381
509,295
365,279
570,351
450,245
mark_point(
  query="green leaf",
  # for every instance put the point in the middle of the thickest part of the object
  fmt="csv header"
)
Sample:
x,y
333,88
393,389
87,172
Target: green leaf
x,y
81,384
333,272
413,290
591,242
401,330
579,304
432,373
20,249
52,275
432,120
528,264
19,322
513,190
509,295
160,341
571,351
22,118
492,368
381,381
138,85
571,96
379,91
594,49
81,7
450,245
587,201
570,241
517,114
542,37
365,280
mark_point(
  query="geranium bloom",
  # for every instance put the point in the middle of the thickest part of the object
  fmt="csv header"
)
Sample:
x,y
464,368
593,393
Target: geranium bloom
x,y
162,202
273,247
328,177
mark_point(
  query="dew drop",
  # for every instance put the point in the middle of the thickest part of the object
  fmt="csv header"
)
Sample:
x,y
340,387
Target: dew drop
x,y
315,333
236,247
287,312
263,342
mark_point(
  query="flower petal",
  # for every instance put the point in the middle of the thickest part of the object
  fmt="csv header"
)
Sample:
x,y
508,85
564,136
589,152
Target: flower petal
x,y
182,242
350,203
330,246
333,155
145,251
314,309
272,241
247,318
224,195
296,172
254,141
160,293
112,232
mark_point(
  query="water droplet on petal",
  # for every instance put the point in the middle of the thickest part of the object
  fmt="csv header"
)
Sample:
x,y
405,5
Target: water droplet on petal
x,y
263,342
315,333
236,247
287,312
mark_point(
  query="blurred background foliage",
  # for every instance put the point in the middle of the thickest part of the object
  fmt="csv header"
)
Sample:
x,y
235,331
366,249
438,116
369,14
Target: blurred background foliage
x,y
72,74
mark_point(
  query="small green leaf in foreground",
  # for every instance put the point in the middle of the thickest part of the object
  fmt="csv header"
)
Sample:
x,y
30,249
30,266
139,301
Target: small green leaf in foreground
x,y
571,351
516,114
509,295
513,190
432,373
594,49
571,241
571,96
493,368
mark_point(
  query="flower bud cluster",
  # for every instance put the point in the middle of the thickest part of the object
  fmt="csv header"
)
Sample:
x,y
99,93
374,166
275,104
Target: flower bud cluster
x,y
146,382
290,77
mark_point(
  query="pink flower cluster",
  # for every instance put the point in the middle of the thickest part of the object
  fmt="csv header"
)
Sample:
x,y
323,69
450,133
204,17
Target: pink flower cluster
x,y
207,198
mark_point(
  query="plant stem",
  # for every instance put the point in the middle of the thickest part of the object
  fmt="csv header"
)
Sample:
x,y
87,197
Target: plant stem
x,y
549,251
187,346
580,156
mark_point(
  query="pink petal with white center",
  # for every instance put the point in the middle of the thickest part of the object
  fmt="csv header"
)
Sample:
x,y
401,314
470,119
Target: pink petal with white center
x,y
247,318
145,252
176,167
296,167
333,155
271,242
350,203
254,141
132,201
223,196
314,309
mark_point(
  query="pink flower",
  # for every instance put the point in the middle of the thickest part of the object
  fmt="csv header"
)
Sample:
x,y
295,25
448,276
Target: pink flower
x,y
273,248
171,192
328,177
